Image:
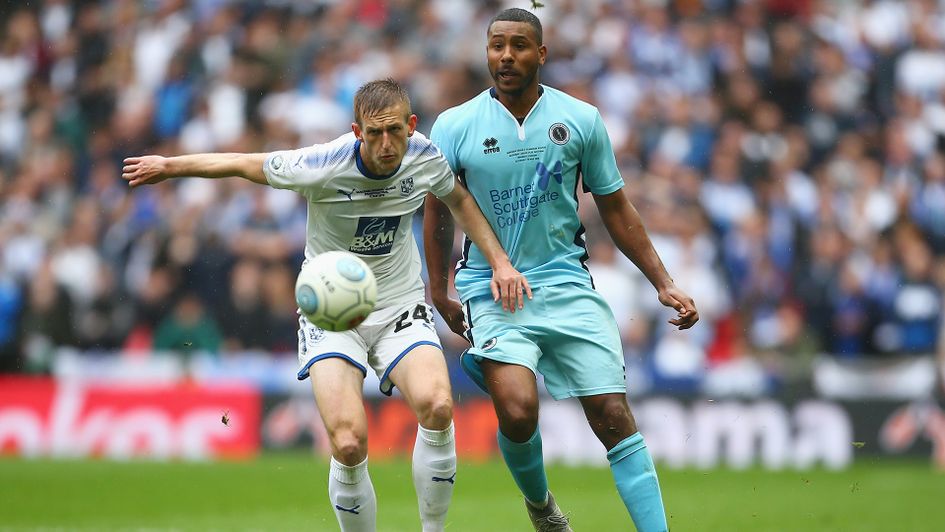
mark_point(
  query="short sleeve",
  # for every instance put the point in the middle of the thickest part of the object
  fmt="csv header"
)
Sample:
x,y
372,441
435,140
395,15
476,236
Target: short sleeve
x,y
440,136
441,180
305,170
598,163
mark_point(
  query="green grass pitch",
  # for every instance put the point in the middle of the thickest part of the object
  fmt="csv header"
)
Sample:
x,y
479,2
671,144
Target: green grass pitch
x,y
287,492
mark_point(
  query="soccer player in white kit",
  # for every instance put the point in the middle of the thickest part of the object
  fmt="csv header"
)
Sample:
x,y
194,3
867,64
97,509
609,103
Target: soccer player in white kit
x,y
363,189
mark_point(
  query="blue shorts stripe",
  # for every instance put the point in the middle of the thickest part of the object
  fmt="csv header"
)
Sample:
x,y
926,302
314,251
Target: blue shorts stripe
x,y
304,372
390,388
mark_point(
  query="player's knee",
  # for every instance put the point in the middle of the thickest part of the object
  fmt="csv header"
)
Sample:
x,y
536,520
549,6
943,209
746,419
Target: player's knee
x,y
435,412
349,446
613,414
520,413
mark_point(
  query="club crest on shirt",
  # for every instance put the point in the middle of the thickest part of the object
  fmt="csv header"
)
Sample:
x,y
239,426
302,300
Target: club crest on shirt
x,y
315,334
406,186
559,133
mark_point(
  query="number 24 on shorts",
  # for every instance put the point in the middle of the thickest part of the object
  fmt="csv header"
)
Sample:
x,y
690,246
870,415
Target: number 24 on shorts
x,y
420,312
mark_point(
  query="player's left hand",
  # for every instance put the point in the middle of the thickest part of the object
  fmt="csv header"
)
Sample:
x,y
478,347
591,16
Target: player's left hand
x,y
686,313
507,285
144,170
452,312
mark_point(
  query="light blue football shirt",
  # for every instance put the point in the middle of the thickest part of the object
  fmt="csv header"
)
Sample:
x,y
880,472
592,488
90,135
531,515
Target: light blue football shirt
x,y
525,178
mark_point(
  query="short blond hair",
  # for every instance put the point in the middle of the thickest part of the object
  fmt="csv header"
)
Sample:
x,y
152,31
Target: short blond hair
x,y
375,96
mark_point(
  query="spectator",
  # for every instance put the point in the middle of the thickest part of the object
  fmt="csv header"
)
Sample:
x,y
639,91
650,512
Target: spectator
x,y
241,314
188,329
809,133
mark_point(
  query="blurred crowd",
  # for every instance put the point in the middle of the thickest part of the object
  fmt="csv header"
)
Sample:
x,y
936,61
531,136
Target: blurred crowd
x,y
788,158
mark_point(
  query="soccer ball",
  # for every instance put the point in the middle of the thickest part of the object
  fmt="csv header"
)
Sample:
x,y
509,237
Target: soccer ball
x,y
336,290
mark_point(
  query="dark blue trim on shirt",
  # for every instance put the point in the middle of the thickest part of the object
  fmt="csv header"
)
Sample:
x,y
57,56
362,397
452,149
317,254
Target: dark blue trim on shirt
x,y
494,94
464,260
579,235
364,170
462,264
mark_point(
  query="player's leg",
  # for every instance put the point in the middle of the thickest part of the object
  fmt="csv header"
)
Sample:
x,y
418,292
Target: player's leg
x,y
337,362
630,462
338,392
514,393
503,361
422,378
591,367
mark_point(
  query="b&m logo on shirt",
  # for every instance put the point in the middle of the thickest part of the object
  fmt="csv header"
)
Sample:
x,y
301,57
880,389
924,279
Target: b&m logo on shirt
x,y
374,235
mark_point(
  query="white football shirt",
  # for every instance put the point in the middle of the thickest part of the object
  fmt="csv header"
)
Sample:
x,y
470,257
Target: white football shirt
x,y
352,209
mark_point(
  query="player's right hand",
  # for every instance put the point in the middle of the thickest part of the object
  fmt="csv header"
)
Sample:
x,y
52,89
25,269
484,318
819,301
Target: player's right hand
x,y
507,286
144,170
452,312
686,313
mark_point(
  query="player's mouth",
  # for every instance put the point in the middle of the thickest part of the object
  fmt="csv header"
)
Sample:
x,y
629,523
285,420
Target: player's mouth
x,y
506,75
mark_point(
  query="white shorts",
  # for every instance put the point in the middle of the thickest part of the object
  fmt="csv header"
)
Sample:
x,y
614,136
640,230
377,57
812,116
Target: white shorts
x,y
379,342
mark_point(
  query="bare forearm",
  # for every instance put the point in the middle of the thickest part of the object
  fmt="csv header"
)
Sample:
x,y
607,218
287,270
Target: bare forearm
x,y
217,165
625,226
474,224
438,245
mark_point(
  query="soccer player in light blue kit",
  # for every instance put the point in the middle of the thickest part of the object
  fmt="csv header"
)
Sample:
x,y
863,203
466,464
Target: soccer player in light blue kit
x,y
522,149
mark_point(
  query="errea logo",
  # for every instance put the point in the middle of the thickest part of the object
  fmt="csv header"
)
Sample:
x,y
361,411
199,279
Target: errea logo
x,y
491,145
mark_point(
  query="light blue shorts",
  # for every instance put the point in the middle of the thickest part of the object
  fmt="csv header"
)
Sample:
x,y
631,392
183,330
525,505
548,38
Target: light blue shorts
x,y
567,333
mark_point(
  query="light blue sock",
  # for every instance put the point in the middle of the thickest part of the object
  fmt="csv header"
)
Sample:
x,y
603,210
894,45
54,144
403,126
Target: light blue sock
x,y
637,484
527,466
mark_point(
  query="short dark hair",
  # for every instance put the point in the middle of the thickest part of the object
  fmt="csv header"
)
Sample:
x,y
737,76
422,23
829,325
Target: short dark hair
x,y
375,96
516,14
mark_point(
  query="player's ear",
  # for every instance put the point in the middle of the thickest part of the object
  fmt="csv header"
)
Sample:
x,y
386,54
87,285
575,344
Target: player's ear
x,y
411,125
357,130
542,52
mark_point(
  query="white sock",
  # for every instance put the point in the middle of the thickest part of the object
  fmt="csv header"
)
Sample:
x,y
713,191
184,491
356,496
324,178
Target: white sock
x,y
352,496
434,471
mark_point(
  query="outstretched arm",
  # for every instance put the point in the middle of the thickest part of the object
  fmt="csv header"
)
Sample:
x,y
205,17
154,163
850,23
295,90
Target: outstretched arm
x,y
152,169
438,249
625,226
507,283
